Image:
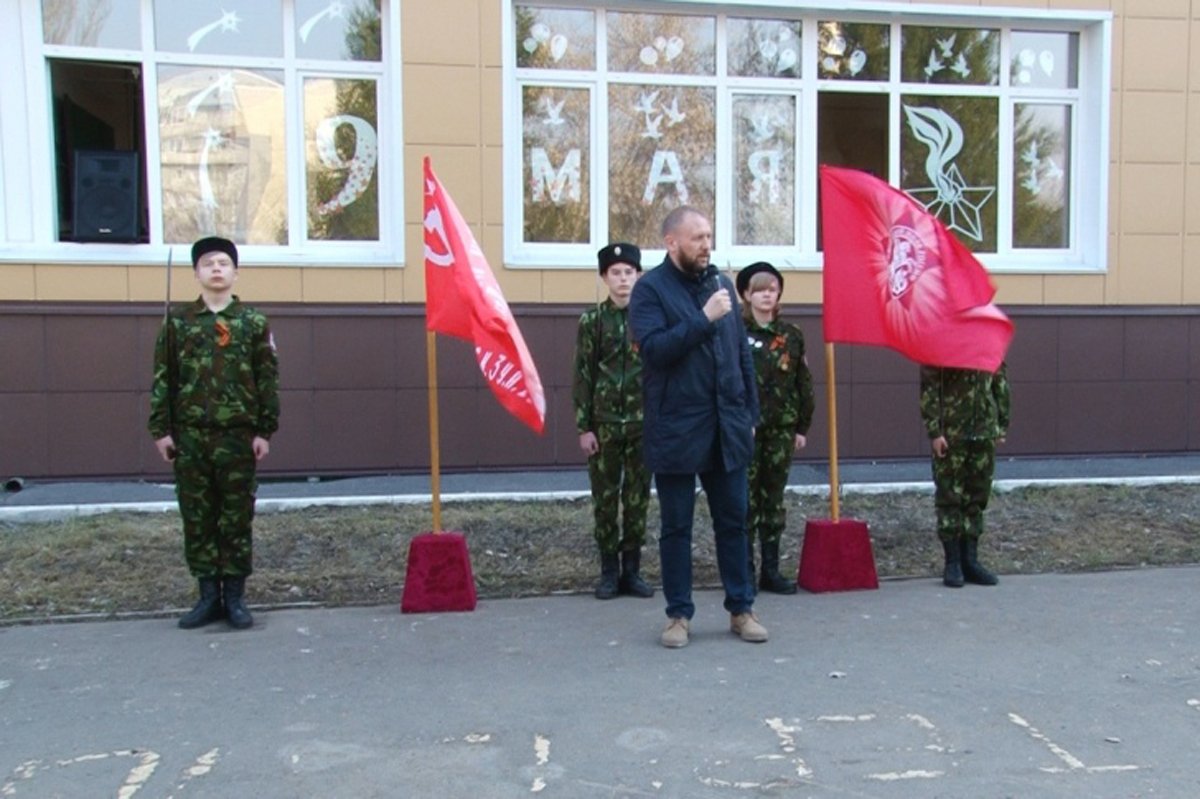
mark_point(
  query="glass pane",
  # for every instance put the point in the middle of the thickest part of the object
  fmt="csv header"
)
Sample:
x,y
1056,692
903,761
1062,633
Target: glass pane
x,y
556,125
852,130
950,55
92,23
340,155
1045,60
222,154
555,38
661,43
853,50
764,48
344,30
655,161
1042,171
219,27
949,162
764,162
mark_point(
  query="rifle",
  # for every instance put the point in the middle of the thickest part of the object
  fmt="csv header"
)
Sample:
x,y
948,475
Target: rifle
x,y
170,348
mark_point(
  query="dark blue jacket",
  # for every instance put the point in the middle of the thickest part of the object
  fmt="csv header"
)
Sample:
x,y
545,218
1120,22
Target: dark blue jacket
x,y
697,376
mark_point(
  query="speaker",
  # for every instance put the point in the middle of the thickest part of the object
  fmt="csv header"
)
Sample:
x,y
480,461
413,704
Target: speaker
x,y
106,196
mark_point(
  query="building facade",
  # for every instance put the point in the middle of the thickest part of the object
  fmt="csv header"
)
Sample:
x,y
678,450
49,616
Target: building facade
x,y
1057,138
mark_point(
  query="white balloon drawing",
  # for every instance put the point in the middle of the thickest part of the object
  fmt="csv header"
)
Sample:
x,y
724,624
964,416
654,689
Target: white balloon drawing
x,y
1026,57
648,56
858,60
540,31
674,48
768,49
785,33
530,45
1046,62
787,60
660,42
1024,76
830,64
558,46
836,45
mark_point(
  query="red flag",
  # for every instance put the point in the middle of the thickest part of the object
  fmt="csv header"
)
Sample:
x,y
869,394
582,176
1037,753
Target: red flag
x,y
463,299
894,276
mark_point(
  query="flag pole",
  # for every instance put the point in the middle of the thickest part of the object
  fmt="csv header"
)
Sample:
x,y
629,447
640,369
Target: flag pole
x,y
435,477
831,395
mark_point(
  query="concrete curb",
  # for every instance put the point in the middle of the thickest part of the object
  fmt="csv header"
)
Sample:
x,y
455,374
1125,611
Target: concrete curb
x,y
46,513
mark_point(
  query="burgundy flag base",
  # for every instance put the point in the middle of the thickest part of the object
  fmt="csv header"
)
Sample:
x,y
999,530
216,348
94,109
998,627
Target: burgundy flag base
x,y
439,576
836,556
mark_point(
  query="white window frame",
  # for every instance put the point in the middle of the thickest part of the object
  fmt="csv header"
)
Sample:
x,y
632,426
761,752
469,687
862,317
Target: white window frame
x,y
28,217
1089,144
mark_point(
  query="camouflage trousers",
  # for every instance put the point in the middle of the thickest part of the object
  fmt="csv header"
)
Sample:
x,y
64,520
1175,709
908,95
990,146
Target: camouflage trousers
x,y
215,483
962,482
769,470
620,488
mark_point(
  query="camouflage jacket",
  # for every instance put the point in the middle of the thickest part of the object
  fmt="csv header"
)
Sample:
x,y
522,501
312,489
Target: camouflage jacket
x,y
223,375
785,390
608,369
965,403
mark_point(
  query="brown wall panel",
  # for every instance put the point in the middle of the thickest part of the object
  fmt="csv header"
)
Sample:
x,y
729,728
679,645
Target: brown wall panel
x,y
22,353
1085,381
24,434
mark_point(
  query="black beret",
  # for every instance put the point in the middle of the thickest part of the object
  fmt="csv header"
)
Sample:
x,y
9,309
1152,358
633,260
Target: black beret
x,y
619,253
743,277
213,244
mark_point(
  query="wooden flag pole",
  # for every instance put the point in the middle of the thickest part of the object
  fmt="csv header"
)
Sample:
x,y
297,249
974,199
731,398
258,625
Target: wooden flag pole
x,y
435,464
836,555
831,397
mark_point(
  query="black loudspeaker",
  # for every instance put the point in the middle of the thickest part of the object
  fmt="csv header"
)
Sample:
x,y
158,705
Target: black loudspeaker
x,y
106,196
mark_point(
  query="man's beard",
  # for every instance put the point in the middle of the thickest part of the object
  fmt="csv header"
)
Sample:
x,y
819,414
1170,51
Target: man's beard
x,y
693,266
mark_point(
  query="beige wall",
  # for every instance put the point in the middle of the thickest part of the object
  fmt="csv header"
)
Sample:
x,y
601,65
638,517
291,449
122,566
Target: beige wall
x,y
452,113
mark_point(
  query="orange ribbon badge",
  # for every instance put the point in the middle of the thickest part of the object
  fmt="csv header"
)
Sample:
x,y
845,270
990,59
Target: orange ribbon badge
x,y
223,337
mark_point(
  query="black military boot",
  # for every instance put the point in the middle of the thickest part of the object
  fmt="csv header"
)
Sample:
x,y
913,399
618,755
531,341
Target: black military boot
x,y
631,578
208,609
235,605
771,580
973,571
953,574
610,569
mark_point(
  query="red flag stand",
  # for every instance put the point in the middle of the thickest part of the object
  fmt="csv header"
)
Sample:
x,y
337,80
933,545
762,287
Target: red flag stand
x,y
438,577
837,554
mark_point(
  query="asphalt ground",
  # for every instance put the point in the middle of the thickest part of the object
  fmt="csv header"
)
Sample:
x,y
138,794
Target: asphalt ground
x,y
1044,686
1081,685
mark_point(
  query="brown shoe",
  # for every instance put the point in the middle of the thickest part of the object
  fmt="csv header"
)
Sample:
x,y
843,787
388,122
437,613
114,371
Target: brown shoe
x,y
747,627
675,634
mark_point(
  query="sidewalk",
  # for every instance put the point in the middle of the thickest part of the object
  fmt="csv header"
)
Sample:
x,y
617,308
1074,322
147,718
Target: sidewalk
x,y
40,501
1048,686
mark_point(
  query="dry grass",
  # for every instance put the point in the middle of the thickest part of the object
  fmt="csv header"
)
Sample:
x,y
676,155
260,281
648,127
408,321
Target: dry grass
x,y
133,563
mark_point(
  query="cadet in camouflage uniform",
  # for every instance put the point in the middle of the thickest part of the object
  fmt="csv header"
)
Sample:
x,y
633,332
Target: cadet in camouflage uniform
x,y
607,394
966,413
213,407
785,396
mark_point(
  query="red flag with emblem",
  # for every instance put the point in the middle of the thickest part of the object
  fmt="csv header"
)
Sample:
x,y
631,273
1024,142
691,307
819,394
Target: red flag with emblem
x,y
894,276
463,299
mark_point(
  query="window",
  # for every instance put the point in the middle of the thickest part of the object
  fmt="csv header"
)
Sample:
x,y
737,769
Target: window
x,y
998,125
259,120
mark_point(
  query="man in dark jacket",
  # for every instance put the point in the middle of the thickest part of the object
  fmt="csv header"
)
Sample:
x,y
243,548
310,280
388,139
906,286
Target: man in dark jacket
x,y
698,391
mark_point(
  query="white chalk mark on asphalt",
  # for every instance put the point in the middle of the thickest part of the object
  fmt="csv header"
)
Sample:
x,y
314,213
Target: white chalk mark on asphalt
x,y
787,742
541,751
1073,763
914,774
139,774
